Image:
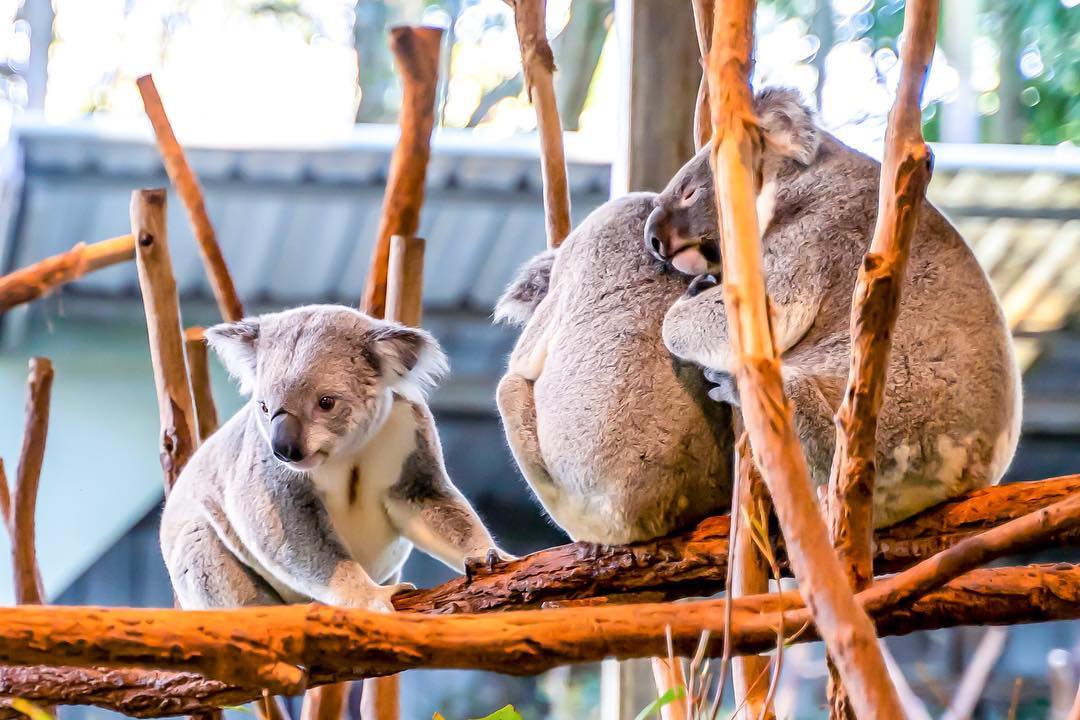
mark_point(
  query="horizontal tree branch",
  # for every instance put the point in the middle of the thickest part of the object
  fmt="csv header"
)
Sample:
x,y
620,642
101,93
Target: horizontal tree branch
x,y
41,278
338,644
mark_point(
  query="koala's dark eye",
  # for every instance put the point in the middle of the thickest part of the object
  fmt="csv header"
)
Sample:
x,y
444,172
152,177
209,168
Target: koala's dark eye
x,y
689,192
262,406
327,403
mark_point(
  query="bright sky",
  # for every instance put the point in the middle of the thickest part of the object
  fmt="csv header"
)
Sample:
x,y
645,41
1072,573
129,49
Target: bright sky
x,y
233,77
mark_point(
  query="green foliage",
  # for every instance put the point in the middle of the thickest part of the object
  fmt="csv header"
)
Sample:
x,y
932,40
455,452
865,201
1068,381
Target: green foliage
x,y
672,695
506,713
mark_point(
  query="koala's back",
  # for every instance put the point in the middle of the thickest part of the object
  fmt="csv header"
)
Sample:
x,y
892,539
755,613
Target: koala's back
x,y
950,419
626,430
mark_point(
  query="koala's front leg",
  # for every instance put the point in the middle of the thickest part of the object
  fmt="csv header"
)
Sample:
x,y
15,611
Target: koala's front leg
x,y
428,510
284,525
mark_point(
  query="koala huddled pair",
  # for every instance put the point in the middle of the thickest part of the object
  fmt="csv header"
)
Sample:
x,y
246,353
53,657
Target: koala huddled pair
x,y
609,427
318,488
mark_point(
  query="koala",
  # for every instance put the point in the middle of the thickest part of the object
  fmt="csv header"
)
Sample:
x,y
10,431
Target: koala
x,y
318,488
617,438
951,413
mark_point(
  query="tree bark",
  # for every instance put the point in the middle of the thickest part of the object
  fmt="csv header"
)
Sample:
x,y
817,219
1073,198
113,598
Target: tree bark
x,y
844,626
179,436
538,64
405,276
187,187
41,278
416,52
703,23
28,588
195,350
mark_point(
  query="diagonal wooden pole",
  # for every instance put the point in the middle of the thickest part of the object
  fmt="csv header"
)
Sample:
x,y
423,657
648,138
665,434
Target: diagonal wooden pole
x,y
538,65
736,154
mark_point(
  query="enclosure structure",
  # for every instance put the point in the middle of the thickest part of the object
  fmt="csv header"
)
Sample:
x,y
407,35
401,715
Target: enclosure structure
x,y
164,662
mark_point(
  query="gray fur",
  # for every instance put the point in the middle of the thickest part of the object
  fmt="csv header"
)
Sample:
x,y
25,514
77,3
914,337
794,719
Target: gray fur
x,y
244,528
951,414
616,438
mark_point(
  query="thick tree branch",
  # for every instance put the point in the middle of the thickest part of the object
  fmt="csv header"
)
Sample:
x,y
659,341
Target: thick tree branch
x,y
41,278
28,588
187,187
844,626
416,52
538,64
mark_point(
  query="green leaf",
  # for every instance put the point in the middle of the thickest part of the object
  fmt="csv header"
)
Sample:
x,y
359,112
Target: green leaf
x,y
673,694
30,710
506,713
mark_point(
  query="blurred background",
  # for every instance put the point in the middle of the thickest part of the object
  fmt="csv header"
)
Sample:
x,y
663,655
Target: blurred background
x,y
288,110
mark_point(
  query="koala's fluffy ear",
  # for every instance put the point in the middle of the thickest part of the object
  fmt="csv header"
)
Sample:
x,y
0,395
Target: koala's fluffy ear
x,y
787,123
235,344
526,290
410,360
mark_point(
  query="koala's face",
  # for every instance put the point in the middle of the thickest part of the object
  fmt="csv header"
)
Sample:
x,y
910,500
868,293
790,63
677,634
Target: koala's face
x,y
683,229
322,377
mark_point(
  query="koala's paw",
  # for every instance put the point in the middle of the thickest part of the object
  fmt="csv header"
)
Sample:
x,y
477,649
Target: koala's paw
x,y
477,565
378,598
724,389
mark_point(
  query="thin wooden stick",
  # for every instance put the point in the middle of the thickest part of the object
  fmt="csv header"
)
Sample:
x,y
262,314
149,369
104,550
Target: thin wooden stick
x,y
381,698
187,187
195,350
875,303
179,435
844,626
416,53
405,276
538,64
998,596
28,589
324,703
751,577
703,23
41,278
5,501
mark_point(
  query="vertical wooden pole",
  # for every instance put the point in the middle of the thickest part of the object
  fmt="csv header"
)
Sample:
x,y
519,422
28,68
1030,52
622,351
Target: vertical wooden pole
x,y
179,435
187,187
875,302
195,349
416,53
538,66
736,152
703,22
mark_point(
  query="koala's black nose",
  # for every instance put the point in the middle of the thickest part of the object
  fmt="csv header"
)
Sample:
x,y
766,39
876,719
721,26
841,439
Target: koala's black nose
x,y
286,437
654,229
700,284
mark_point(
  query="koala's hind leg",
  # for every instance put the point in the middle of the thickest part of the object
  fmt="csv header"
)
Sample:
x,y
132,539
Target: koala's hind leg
x,y
517,407
206,575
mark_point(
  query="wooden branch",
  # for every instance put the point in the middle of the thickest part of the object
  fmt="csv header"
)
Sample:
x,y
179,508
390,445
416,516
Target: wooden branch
x,y
28,588
324,703
405,280
538,64
195,350
336,644
416,53
41,278
703,23
5,500
179,436
380,699
844,626
875,304
187,187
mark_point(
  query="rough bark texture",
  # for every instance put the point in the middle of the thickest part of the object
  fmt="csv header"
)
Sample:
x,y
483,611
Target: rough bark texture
x,y
28,588
179,436
41,278
405,280
268,645
703,23
905,174
187,187
416,52
195,349
845,628
538,64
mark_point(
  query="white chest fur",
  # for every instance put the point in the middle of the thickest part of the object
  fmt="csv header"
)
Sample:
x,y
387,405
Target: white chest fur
x,y
354,491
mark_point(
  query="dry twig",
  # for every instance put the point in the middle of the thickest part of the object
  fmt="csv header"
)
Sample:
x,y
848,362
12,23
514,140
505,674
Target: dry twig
x,y
28,589
41,278
187,187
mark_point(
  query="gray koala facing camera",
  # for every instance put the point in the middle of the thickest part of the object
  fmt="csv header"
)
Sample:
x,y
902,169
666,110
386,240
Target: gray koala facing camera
x,y
318,488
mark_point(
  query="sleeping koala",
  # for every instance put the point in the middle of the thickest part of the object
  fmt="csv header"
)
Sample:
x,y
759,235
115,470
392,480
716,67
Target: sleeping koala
x,y
951,413
319,486
616,438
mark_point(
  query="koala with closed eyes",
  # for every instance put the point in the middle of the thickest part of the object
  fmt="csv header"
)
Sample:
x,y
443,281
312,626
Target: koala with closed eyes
x,y
951,413
318,488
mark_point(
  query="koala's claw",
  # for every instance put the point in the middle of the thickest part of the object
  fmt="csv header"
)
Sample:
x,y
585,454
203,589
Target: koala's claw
x,y
475,564
725,389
